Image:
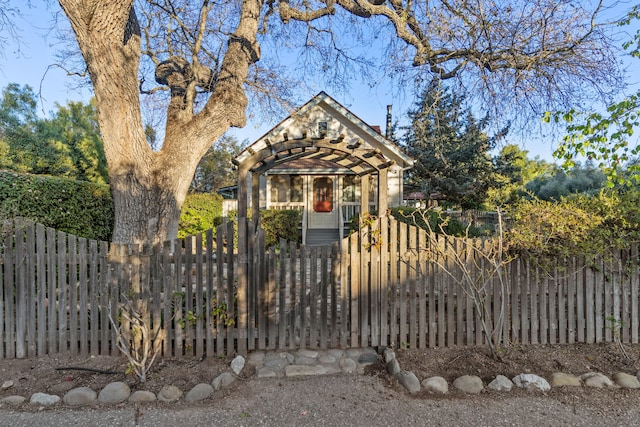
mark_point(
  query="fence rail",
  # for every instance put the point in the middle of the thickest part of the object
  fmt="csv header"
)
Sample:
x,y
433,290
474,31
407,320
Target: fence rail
x,y
391,285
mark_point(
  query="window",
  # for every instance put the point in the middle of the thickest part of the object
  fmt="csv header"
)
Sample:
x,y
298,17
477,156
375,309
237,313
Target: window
x,y
322,129
286,188
350,188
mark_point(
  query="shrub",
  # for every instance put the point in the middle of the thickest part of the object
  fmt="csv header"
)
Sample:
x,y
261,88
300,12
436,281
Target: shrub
x,y
277,224
436,221
200,212
576,225
80,208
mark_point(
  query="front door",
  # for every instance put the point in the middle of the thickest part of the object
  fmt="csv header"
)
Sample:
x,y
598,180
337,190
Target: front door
x,y
323,211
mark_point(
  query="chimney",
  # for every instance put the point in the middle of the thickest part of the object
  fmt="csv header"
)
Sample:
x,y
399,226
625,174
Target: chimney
x,y
387,133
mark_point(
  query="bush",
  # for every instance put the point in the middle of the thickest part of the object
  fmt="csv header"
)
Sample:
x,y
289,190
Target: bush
x,y
436,221
277,224
576,225
80,208
200,212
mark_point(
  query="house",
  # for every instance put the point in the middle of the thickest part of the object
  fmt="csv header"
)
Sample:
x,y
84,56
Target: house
x,y
326,162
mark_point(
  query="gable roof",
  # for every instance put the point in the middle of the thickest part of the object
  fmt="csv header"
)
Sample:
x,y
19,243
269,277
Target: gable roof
x,y
346,133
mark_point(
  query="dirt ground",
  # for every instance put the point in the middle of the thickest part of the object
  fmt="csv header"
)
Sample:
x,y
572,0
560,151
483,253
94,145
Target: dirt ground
x,y
57,374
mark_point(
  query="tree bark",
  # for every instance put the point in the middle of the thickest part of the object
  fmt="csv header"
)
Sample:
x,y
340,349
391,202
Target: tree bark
x,y
149,187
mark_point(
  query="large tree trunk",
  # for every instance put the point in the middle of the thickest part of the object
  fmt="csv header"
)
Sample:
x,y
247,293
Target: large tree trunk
x,y
149,187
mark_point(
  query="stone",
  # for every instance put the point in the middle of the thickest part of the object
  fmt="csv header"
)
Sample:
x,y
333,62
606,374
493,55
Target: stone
x,y
199,392
79,396
276,364
7,384
348,366
389,355
531,382
471,384
409,381
625,380
354,353
311,354
307,370
237,364
393,367
337,353
596,380
142,396
435,385
223,380
303,360
256,358
368,358
44,399
13,400
500,383
113,393
169,393
265,373
327,359
560,379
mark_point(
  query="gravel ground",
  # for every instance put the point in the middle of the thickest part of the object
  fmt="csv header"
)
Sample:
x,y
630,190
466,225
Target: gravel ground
x,y
347,400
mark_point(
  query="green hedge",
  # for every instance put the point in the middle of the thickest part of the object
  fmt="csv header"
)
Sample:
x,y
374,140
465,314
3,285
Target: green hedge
x,y
200,212
80,208
436,221
277,224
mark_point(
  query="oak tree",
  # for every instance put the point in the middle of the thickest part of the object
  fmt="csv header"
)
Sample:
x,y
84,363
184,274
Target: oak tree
x,y
207,55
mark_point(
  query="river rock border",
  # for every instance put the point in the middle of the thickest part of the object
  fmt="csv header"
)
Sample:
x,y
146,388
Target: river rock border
x,y
310,362
473,384
272,364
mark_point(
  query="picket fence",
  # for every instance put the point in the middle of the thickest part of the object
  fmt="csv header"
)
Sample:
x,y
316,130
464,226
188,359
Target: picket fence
x,y
389,285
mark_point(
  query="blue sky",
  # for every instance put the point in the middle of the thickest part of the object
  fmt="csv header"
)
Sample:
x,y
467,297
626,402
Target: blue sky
x,y
33,61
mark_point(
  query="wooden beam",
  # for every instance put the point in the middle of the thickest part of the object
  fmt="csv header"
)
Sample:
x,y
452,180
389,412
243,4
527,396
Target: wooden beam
x,y
355,145
304,134
339,140
373,153
285,136
388,164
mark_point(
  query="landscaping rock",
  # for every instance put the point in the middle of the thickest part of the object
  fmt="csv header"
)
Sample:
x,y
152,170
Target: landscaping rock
x,y
113,393
265,373
199,392
531,382
44,399
14,400
469,384
560,379
393,367
626,380
409,381
436,385
500,383
79,396
237,364
142,396
389,355
368,358
596,380
348,366
7,384
169,393
223,380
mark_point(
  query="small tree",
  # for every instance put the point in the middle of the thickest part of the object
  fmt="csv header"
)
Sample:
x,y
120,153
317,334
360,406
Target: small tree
x,y
136,337
474,266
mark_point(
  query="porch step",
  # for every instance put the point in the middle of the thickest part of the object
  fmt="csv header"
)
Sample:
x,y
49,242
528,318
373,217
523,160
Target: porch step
x,y
322,236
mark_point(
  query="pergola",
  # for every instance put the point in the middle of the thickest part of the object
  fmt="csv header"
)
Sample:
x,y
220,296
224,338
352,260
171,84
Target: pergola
x,y
355,155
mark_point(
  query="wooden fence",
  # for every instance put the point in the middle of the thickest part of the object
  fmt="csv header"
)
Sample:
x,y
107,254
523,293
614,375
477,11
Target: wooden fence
x,y
392,285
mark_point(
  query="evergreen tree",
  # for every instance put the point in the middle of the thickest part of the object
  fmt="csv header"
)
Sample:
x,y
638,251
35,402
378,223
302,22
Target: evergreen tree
x,y
451,149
